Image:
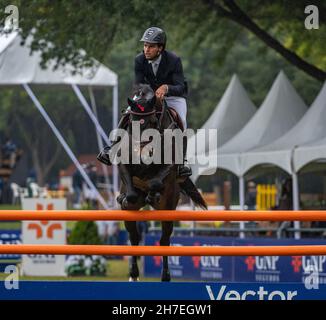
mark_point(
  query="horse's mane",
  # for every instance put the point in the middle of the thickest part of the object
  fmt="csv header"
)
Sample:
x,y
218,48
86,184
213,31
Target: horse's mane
x,y
144,90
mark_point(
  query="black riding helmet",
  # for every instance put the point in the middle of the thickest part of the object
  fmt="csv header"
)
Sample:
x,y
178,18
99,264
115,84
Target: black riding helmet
x,y
154,35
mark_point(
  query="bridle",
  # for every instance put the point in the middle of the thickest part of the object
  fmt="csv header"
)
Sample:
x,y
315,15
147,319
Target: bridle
x,y
149,113
159,113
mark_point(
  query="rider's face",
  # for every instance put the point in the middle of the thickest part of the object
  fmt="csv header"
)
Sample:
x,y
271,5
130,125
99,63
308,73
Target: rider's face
x,y
152,50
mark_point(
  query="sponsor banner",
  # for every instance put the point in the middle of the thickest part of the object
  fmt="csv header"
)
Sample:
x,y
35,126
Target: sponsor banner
x,y
209,291
10,237
279,268
259,269
213,268
43,232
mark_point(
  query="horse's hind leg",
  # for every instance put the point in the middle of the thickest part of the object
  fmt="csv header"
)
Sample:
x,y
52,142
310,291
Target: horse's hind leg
x,y
167,228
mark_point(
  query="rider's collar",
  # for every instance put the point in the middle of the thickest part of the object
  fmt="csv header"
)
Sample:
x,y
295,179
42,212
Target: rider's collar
x,y
156,60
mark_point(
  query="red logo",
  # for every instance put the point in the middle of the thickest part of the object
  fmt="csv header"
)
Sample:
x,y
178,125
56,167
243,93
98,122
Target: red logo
x,y
157,259
296,263
39,227
140,107
250,262
196,259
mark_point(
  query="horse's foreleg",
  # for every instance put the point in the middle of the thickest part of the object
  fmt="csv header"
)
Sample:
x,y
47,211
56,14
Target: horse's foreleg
x,y
134,237
167,228
131,194
156,185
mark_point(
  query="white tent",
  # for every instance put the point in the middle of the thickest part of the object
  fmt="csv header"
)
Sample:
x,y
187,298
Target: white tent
x,y
279,153
280,111
315,151
231,114
19,67
310,128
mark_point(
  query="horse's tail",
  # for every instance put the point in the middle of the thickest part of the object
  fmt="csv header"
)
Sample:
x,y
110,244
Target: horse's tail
x,y
190,189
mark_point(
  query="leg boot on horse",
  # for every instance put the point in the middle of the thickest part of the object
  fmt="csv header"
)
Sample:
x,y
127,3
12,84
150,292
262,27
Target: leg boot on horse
x,y
184,170
134,237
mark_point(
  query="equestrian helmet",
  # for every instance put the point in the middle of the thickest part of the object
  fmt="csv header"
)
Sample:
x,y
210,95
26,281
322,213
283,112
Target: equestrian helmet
x,y
154,35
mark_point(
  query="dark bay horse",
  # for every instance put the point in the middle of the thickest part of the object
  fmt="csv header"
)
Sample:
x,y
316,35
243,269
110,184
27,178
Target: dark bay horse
x,y
156,184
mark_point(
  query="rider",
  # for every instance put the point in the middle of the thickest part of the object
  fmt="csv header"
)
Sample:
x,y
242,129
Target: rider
x,y
162,70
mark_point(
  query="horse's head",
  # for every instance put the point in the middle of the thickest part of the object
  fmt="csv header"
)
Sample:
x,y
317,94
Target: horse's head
x,y
142,107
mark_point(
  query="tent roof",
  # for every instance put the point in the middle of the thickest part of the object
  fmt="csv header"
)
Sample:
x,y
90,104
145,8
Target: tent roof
x,y
309,129
308,153
18,66
233,111
280,111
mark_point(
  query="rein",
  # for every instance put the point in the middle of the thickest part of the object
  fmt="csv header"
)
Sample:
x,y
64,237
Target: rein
x,y
141,113
160,120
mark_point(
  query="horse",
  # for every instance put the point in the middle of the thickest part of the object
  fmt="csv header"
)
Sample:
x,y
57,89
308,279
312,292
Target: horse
x,y
157,185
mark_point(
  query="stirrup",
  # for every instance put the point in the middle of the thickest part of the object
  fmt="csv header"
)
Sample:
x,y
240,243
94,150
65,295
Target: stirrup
x,y
104,155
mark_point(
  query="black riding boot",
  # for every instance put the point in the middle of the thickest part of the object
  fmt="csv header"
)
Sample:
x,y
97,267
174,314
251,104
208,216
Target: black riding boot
x,y
104,155
184,170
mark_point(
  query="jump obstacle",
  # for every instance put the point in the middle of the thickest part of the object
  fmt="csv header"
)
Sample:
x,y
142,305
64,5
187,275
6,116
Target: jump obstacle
x,y
163,250
72,290
163,215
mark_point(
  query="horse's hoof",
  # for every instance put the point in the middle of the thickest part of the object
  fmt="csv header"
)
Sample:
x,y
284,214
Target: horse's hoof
x,y
155,185
166,277
124,204
132,197
153,199
120,198
131,279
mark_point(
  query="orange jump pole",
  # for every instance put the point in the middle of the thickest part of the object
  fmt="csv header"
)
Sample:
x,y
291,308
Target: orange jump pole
x,y
165,250
162,215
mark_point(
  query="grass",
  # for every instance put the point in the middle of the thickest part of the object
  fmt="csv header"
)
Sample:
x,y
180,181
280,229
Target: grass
x,y
10,207
10,225
117,271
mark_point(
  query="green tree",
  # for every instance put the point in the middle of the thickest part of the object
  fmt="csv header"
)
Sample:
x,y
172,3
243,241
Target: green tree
x,y
20,120
97,26
85,232
212,47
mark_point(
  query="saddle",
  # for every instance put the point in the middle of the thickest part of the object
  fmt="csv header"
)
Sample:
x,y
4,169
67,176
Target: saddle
x,y
173,114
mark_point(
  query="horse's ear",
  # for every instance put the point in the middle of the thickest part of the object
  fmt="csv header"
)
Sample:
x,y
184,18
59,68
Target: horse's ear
x,y
131,103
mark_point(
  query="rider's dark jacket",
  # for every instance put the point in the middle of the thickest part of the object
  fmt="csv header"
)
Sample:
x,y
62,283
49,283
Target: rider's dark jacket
x,y
169,72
